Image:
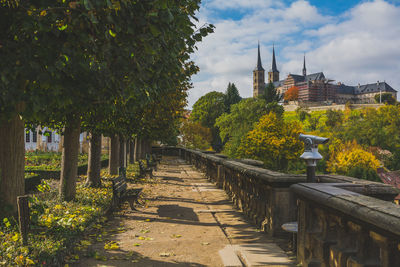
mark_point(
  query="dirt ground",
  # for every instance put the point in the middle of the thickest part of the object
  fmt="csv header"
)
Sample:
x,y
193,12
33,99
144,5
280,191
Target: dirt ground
x,y
185,221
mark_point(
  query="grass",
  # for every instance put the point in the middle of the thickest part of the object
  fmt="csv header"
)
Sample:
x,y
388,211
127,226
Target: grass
x,y
50,161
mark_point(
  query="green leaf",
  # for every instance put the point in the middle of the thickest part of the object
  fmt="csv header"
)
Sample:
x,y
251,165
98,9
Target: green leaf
x,y
61,28
154,30
87,4
113,34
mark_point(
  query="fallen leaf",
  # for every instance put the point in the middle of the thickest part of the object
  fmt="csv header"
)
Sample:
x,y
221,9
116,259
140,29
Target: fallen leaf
x,y
165,254
205,243
137,244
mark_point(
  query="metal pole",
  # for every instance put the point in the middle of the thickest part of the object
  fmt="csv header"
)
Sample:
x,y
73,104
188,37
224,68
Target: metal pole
x,y
311,174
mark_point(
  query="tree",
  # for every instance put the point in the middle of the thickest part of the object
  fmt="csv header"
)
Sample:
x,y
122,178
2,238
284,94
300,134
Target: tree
x,y
271,94
194,135
206,110
275,108
302,113
273,141
96,54
231,96
385,98
236,124
334,118
292,94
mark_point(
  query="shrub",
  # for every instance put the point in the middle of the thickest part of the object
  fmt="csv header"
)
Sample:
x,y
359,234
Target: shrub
x,y
352,160
273,141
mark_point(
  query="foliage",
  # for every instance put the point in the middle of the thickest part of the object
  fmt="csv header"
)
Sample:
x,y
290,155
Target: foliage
x,y
271,94
206,110
313,121
54,225
275,108
292,94
194,135
386,98
67,62
273,141
231,96
302,113
233,126
373,127
351,159
334,118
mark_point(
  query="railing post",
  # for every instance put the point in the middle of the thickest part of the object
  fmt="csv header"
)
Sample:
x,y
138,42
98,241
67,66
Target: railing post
x,y
23,218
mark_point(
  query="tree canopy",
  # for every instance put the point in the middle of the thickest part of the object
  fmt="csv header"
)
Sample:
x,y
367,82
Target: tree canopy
x,y
231,96
271,94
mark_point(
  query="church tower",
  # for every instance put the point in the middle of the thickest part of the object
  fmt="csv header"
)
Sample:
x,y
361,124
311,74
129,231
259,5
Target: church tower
x,y
304,66
273,74
258,77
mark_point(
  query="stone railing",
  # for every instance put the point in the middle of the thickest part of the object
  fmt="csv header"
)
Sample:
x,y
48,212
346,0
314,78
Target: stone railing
x,y
343,221
338,227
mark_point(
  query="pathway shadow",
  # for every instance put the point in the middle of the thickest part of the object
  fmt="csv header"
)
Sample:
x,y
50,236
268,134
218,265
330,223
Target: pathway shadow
x,y
177,212
172,178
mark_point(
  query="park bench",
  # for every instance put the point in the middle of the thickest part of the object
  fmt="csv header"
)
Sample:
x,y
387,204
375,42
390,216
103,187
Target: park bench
x,y
121,193
143,170
151,163
156,158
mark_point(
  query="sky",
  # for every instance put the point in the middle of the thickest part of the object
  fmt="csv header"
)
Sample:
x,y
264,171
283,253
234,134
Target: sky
x,y
350,41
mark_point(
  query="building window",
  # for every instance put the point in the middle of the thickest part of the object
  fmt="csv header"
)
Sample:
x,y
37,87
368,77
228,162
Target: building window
x,y
34,136
49,137
28,137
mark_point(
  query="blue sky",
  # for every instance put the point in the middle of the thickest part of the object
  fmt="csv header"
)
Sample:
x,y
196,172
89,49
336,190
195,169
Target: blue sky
x,y
350,41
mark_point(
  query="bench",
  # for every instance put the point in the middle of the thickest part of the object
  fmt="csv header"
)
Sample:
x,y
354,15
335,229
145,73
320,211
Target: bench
x,y
151,163
156,158
143,171
121,193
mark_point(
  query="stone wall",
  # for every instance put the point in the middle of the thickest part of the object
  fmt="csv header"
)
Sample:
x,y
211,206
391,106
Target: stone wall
x,y
343,221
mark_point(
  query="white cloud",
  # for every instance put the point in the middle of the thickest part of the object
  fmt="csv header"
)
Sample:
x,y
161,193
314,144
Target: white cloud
x,y
235,4
359,46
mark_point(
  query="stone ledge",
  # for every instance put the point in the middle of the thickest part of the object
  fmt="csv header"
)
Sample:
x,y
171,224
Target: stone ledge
x,y
376,212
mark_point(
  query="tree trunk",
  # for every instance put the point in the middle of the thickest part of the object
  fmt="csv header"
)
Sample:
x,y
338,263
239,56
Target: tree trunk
x,y
69,159
113,160
94,164
144,148
12,161
137,149
122,152
132,152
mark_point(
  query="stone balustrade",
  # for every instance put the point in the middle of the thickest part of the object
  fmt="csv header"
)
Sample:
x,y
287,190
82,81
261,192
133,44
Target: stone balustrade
x,y
343,221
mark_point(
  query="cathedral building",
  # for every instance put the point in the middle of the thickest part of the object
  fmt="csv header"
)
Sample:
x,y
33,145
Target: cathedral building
x,y
315,87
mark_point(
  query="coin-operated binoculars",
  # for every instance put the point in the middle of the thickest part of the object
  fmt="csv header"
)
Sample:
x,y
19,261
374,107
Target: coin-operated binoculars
x,y
311,154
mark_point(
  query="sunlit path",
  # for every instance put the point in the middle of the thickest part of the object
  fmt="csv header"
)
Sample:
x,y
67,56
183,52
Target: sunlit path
x,y
186,221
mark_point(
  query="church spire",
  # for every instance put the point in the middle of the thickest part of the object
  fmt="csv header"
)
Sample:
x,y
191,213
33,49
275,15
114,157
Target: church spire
x,y
259,65
304,66
274,69
273,74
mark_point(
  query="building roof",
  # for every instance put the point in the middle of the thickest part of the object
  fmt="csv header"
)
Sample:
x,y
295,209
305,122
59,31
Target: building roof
x,y
259,65
345,89
311,77
315,76
364,89
373,88
392,178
